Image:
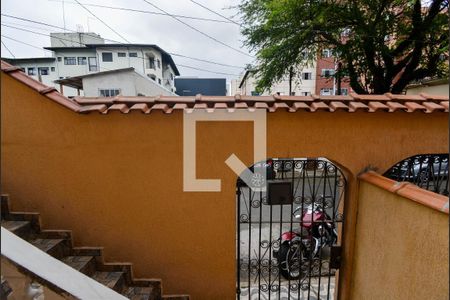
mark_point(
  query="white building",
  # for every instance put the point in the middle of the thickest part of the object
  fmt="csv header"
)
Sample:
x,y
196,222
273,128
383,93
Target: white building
x,y
126,82
77,54
303,84
40,68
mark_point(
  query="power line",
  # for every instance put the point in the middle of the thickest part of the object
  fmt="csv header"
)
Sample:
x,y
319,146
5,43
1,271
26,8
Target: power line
x,y
8,49
15,40
140,57
199,31
151,12
171,53
206,61
214,12
199,69
95,16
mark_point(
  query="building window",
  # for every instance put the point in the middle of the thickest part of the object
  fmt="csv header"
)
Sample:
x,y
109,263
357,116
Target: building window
x,y
70,60
31,71
59,58
326,91
109,92
121,54
107,57
133,54
158,63
344,91
23,69
52,69
326,53
81,60
151,63
171,76
327,72
93,64
306,75
43,71
159,80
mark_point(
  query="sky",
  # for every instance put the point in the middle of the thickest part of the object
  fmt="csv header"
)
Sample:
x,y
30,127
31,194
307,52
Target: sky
x,y
143,28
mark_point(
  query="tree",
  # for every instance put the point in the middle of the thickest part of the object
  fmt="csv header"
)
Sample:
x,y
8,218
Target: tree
x,y
382,44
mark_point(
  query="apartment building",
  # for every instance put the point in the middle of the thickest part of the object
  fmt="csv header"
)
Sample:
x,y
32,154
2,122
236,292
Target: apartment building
x,y
326,82
317,78
303,84
78,54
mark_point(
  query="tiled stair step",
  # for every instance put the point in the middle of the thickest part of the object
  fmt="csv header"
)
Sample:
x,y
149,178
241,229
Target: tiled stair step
x,y
139,293
113,280
83,264
53,247
20,228
32,217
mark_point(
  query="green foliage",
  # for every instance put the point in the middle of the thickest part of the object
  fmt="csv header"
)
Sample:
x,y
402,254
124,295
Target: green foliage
x,y
383,44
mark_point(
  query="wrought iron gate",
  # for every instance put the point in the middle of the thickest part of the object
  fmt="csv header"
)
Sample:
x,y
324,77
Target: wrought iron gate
x,y
289,236
428,171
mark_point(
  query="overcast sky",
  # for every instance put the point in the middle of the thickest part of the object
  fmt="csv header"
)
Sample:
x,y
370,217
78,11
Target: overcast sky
x,y
136,27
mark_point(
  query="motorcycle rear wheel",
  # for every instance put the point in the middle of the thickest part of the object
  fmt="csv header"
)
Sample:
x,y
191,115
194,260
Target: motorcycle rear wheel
x,y
290,260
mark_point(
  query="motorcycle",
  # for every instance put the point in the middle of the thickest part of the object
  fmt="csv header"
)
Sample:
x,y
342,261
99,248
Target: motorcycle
x,y
314,238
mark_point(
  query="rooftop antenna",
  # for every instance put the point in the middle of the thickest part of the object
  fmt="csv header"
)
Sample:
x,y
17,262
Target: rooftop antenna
x,y
64,15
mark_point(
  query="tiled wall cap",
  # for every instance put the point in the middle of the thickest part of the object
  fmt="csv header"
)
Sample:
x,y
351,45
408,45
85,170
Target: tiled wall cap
x,y
47,90
142,107
363,97
435,97
96,107
11,69
405,97
349,103
407,190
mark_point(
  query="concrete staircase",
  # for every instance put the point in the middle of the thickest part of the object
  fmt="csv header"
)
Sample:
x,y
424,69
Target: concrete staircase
x,y
88,260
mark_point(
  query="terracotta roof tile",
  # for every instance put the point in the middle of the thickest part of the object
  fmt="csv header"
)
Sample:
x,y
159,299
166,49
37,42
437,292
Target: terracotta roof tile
x,y
278,105
393,106
405,97
122,107
161,107
369,97
143,107
299,105
434,97
335,105
376,105
354,106
413,106
319,106
408,190
431,106
96,107
350,103
445,105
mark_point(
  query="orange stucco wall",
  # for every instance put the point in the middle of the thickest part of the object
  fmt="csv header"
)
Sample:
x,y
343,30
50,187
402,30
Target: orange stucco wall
x,y
401,248
116,179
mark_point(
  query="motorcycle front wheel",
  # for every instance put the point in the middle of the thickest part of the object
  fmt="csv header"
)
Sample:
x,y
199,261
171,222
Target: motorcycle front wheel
x,y
290,259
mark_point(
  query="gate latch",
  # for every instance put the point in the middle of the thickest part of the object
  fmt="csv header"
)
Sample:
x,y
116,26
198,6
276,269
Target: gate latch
x,y
335,257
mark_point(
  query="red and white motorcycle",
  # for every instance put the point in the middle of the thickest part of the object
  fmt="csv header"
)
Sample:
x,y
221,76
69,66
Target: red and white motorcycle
x,y
314,238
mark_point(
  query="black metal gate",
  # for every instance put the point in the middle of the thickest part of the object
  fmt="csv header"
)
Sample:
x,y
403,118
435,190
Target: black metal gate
x,y
428,171
289,236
